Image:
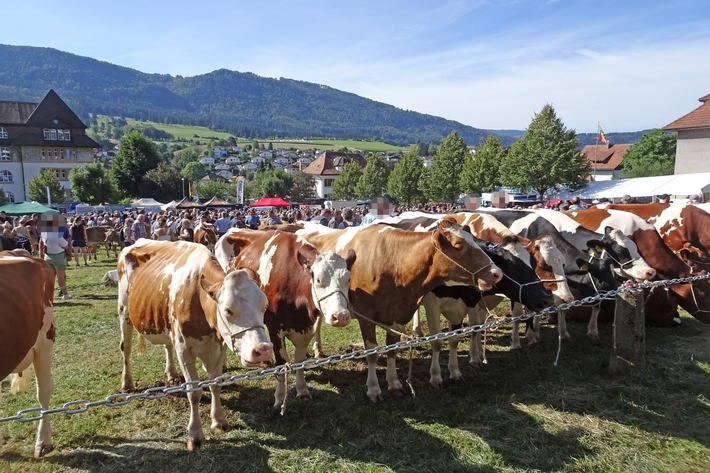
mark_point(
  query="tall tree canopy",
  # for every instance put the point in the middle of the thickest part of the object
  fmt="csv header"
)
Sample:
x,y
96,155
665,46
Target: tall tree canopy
x,y
405,180
220,189
373,182
546,157
344,185
303,186
276,183
162,183
91,184
444,177
137,156
37,187
481,171
653,155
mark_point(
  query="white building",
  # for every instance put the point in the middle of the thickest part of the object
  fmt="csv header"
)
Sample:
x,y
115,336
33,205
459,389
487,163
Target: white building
x,y
327,167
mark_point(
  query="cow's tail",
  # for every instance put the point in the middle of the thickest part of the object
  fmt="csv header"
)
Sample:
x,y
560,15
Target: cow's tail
x,y
141,345
20,382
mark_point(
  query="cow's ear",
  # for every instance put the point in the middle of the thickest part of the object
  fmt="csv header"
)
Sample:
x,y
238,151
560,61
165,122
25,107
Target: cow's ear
x,y
467,229
253,275
350,259
608,230
582,265
595,246
210,288
306,256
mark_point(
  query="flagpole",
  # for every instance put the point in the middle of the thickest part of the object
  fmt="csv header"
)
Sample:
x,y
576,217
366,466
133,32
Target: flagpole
x,y
596,150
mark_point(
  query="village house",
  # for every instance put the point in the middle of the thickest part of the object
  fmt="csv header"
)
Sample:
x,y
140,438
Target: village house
x,y
327,167
693,147
606,160
37,136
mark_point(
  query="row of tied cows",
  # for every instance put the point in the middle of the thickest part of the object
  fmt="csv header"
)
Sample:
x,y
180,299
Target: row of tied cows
x,y
263,287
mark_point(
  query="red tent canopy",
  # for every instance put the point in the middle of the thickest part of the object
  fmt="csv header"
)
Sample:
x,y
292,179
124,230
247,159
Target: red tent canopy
x,y
270,202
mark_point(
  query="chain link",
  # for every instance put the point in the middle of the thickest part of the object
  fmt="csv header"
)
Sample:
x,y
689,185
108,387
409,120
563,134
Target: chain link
x,y
159,392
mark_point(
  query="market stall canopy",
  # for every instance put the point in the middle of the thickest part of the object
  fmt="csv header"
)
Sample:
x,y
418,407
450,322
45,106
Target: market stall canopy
x,y
169,206
186,203
27,208
674,185
145,203
270,202
217,202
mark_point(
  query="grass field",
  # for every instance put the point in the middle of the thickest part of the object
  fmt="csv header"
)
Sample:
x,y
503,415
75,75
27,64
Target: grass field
x,y
518,413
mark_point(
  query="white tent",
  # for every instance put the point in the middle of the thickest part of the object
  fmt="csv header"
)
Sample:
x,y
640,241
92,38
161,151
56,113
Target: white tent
x,y
677,186
144,203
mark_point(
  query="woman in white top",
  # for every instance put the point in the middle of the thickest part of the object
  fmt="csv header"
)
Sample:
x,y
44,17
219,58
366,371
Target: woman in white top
x,y
162,232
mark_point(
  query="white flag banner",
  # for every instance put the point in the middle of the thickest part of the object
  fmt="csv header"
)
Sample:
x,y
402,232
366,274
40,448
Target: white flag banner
x,y
240,190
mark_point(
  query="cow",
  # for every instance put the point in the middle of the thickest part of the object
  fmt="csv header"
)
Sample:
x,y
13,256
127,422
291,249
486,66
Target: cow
x,y
394,270
206,234
176,294
613,244
105,236
693,297
539,252
27,331
300,284
585,276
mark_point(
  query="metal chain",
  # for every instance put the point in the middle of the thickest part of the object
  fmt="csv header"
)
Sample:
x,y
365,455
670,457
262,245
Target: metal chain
x,y
159,392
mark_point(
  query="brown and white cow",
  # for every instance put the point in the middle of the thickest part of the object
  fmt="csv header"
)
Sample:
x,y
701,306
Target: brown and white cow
x,y
105,236
394,270
27,330
177,295
206,234
694,298
301,285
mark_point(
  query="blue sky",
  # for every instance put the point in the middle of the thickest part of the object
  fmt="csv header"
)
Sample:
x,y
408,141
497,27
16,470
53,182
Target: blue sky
x,y
628,64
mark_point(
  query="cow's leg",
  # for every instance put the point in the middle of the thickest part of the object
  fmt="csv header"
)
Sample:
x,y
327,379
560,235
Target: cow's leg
x,y
300,344
170,372
214,363
195,435
317,345
416,325
43,366
367,329
562,324
126,345
394,386
433,318
592,327
475,317
454,371
281,357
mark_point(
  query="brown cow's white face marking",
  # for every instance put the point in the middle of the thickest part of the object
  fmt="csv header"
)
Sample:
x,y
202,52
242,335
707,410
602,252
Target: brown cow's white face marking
x,y
240,318
330,283
553,256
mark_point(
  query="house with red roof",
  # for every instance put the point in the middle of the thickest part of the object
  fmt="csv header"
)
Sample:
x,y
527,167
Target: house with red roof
x,y
693,147
606,160
327,166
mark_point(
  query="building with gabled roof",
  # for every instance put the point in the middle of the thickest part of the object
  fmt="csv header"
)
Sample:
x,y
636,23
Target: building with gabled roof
x,y
327,166
606,160
693,147
37,136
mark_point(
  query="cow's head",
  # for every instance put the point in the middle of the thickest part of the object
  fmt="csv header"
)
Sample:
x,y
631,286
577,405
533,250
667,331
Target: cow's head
x,y
112,236
624,254
461,259
330,282
548,263
240,313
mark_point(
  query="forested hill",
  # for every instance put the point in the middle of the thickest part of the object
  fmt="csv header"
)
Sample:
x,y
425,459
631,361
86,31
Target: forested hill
x,y
243,104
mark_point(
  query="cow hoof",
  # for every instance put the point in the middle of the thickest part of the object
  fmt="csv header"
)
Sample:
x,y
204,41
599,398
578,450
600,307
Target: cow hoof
x,y
437,383
220,427
593,336
397,392
305,397
375,397
565,335
458,378
194,444
42,450
475,364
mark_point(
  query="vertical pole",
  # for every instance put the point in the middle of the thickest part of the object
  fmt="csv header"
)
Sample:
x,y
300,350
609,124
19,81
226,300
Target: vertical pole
x,y
596,150
629,349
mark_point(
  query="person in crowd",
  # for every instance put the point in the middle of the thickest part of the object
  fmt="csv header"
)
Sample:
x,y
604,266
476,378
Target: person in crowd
x,y
273,219
238,220
55,250
337,220
575,204
139,228
3,217
78,240
23,233
162,231
186,232
325,217
253,221
127,230
222,224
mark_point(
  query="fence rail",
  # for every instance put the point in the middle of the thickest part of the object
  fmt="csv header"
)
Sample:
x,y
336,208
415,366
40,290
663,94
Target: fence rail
x,y
159,392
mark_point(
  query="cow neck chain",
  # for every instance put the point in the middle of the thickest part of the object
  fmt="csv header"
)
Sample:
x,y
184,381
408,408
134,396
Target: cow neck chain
x,y
692,292
473,274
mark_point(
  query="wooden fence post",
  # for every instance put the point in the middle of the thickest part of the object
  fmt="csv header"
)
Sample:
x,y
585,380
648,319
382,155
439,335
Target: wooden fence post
x,y
629,348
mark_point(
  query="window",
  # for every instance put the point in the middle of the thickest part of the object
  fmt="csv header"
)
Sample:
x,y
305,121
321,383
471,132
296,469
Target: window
x,y
5,176
64,135
328,182
62,174
9,196
53,134
5,154
3,133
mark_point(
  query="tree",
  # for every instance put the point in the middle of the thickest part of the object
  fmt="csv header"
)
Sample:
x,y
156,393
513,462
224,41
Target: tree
x,y
404,182
3,199
547,157
344,185
481,171
444,180
37,187
185,156
209,189
373,182
276,183
303,186
91,184
653,155
162,183
194,171
134,159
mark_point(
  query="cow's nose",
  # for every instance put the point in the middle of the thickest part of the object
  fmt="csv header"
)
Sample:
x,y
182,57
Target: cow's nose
x,y
650,274
262,352
341,318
